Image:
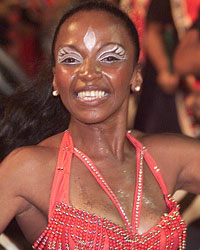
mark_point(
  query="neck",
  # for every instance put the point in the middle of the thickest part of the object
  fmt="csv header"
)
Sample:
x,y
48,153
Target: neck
x,y
103,139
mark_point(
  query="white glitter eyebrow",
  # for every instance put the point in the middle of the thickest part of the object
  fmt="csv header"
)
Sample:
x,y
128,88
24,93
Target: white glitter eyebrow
x,y
119,50
66,51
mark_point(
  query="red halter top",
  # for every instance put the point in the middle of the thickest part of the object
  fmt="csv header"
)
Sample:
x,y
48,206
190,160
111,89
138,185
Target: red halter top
x,y
72,228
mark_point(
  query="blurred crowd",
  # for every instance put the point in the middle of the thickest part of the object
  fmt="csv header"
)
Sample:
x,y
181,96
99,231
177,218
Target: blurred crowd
x,y
26,28
169,30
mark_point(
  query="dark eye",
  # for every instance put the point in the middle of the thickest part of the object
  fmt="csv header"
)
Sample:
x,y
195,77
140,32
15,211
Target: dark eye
x,y
70,60
110,59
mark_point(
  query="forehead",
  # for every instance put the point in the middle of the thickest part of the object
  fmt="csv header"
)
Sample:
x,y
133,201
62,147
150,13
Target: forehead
x,y
105,26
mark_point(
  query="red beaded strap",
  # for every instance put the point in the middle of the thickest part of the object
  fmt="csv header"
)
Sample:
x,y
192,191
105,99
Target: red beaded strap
x,y
138,191
153,167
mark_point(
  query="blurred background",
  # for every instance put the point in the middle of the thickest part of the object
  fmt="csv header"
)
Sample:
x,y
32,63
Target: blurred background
x,y
169,100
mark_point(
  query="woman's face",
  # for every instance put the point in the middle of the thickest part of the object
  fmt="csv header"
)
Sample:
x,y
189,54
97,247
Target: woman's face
x,y
94,65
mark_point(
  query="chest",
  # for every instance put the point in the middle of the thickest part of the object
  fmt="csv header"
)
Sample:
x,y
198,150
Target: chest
x,y
90,193
93,220
86,192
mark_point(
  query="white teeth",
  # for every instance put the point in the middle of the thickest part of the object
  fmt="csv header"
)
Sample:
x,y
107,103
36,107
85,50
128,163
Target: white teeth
x,y
99,94
91,95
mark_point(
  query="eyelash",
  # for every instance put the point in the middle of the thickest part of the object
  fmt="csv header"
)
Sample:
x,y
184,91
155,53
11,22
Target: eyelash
x,y
109,59
67,59
114,57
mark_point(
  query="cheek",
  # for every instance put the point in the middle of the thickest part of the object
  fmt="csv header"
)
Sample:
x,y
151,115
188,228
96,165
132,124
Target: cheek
x,y
62,77
62,81
118,72
120,78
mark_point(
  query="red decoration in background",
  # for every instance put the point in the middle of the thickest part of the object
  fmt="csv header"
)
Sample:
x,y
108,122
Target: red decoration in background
x,y
138,15
50,2
192,8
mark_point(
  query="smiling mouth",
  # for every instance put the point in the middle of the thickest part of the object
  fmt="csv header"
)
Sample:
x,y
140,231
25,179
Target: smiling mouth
x,y
91,95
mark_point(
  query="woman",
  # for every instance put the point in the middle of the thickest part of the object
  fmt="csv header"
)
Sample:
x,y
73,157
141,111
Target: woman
x,y
110,196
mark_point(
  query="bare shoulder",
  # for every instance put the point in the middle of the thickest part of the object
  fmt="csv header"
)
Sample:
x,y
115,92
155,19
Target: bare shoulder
x,y
171,152
26,176
167,143
29,164
34,153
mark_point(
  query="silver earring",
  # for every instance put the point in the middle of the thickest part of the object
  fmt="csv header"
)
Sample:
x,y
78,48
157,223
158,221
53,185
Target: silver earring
x,y
55,93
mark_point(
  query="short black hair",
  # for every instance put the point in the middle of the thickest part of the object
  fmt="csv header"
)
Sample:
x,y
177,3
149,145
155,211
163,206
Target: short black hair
x,y
99,5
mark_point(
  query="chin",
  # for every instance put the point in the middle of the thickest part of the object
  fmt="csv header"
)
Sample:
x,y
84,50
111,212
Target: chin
x,y
92,119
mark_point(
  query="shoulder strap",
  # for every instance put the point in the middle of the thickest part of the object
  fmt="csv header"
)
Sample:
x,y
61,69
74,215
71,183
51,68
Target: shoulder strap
x,y
137,201
60,186
152,166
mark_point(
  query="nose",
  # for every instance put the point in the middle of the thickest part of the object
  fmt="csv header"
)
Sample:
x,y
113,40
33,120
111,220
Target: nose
x,y
88,70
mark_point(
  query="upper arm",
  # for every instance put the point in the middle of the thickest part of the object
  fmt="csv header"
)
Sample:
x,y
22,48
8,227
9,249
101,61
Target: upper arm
x,y
189,174
159,12
11,200
26,178
155,48
178,158
187,54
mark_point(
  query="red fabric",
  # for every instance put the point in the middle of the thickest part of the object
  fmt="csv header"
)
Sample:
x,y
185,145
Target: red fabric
x,y
72,228
138,15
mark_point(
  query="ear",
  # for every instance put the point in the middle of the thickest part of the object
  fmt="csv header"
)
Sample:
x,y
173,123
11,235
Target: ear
x,y
136,80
